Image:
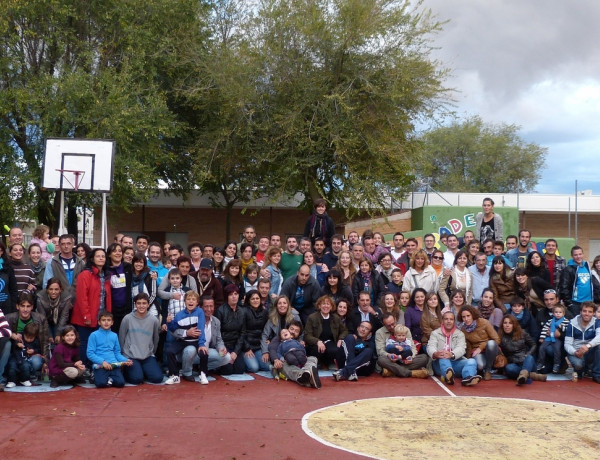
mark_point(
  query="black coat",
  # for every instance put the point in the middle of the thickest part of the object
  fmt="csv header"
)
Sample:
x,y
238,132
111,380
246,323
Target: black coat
x,y
255,321
233,327
8,290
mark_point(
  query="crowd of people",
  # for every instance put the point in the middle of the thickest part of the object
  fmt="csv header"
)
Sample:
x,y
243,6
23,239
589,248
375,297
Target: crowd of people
x,y
462,308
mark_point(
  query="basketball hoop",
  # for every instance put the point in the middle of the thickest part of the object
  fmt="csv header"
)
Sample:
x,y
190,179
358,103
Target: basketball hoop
x,y
78,177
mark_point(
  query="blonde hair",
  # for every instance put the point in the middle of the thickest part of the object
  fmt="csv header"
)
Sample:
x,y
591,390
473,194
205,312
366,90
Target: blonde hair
x,y
401,329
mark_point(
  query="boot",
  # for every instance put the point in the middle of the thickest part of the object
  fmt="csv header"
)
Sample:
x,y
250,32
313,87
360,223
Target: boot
x,y
420,374
522,378
537,377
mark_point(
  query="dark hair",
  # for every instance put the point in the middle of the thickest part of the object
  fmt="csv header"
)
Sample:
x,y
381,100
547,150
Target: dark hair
x,y
182,259
489,199
194,244
54,281
174,271
105,314
141,296
86,247
140,257
458,255
505,270
227,274
245,245
551,240
517,332
65,330
575,248
474,312
89,263
143,237
33,245
536,271
112,248
296,323
412,297
205,297
31,329
320,202
525,230
512,236
250,294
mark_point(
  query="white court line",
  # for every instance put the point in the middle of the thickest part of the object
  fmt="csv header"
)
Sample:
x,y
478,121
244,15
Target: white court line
x,y
444,387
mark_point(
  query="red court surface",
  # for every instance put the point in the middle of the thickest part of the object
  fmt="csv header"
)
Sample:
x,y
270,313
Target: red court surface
x,y
258,419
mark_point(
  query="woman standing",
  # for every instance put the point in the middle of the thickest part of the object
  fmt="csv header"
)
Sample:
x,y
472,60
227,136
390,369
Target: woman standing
x,y
320,224
219,262
83,250
431,318
143,280
459,278
482,339
24,275
518,347
489,224
272,260
120,285
412,316
335,287
367,280
346,267
230,252
93,294
247,257
8,284
317,271
385,267
324,332
420,274
37,264
536,266
255,317
502,283
531,290
195,252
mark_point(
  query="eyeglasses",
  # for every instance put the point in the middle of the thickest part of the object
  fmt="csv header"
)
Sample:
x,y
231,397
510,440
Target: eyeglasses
x,y
364,327
549,291
437,258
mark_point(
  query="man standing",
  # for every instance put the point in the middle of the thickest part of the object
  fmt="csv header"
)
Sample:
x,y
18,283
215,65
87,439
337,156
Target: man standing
x,y
556,264
466,239
393,364
352,239
138,337
305,245
576,284
141,243
429,243
263,245
303,291
511,242
127,241
331,257
518,256
582,340
319,250
275,240
291,259
481,277
175,252
64,266
450,254
15,236
207,283
154,262
398,249
447,347
358,252
372,251
249,235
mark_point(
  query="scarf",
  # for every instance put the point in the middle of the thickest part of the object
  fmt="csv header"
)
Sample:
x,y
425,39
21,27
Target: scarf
x,y
102,292
54,309
318,226
519,316
448,337
137,280
553,326
463,327
486,312
313,271
37,268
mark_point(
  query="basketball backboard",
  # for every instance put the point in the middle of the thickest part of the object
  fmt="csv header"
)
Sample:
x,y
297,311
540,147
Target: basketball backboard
x,y
85,165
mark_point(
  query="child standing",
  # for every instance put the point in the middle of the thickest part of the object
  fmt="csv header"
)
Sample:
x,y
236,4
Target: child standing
x,y
21,364
66,365
398,344
175,304
552,336
104,351
395,285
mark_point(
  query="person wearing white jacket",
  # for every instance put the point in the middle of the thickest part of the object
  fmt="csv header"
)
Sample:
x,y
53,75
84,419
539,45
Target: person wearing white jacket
x,y
420,274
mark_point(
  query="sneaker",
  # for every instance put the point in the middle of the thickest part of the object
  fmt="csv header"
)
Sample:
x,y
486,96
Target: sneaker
x,y
471,381
315,380
26,383
172,379
203,379
337,375
353,377
540,367
304,379
555,368
386,373
110,382
449,376
575,377
11,385
188,378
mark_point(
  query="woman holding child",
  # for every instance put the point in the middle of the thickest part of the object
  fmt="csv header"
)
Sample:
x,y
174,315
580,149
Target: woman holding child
x,y
279,318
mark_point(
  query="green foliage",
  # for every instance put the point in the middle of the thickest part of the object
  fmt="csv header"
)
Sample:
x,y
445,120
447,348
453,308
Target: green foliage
x,y
95,69
473,156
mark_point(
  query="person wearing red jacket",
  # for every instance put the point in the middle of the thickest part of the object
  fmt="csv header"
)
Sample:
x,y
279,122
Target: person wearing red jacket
x,y
91,296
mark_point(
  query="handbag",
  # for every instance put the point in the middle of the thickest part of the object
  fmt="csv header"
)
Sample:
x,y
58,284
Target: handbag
x,y
500,361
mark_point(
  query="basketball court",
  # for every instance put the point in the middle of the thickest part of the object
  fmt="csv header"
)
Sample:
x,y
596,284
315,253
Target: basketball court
x,y
262,418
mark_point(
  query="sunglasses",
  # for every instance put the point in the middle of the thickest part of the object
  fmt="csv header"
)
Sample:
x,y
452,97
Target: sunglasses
x,y
437,258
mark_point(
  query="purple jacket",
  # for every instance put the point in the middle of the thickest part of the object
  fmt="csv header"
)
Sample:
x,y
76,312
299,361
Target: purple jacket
x,y
412,320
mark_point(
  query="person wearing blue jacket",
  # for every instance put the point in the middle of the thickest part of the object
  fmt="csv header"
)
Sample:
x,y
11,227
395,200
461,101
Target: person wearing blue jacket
x,y
188,329
104,351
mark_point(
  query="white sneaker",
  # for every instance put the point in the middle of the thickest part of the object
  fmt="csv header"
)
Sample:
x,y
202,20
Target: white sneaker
x,y
26,383
203,379
110,382
173,379
11,385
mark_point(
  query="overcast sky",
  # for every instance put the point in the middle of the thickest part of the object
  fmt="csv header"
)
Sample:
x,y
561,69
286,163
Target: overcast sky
x,y
536,64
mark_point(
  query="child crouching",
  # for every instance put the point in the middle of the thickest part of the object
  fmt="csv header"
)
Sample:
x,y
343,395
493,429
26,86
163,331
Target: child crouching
x,y
66,366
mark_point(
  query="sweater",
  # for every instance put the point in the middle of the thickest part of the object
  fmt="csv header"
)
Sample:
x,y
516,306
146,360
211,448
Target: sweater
x,y
138,337
63,356
103,345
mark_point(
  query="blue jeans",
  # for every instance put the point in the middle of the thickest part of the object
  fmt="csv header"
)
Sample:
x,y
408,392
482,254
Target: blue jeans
x,y
189,355
256,363
485,360
590,361
143,368
551,350
101,377
463,368
512,370
216,360
4,355
84,335
24,368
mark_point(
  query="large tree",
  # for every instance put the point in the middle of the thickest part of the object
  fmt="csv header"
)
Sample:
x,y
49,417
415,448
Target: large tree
x,y
473,156
344,82
95,69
